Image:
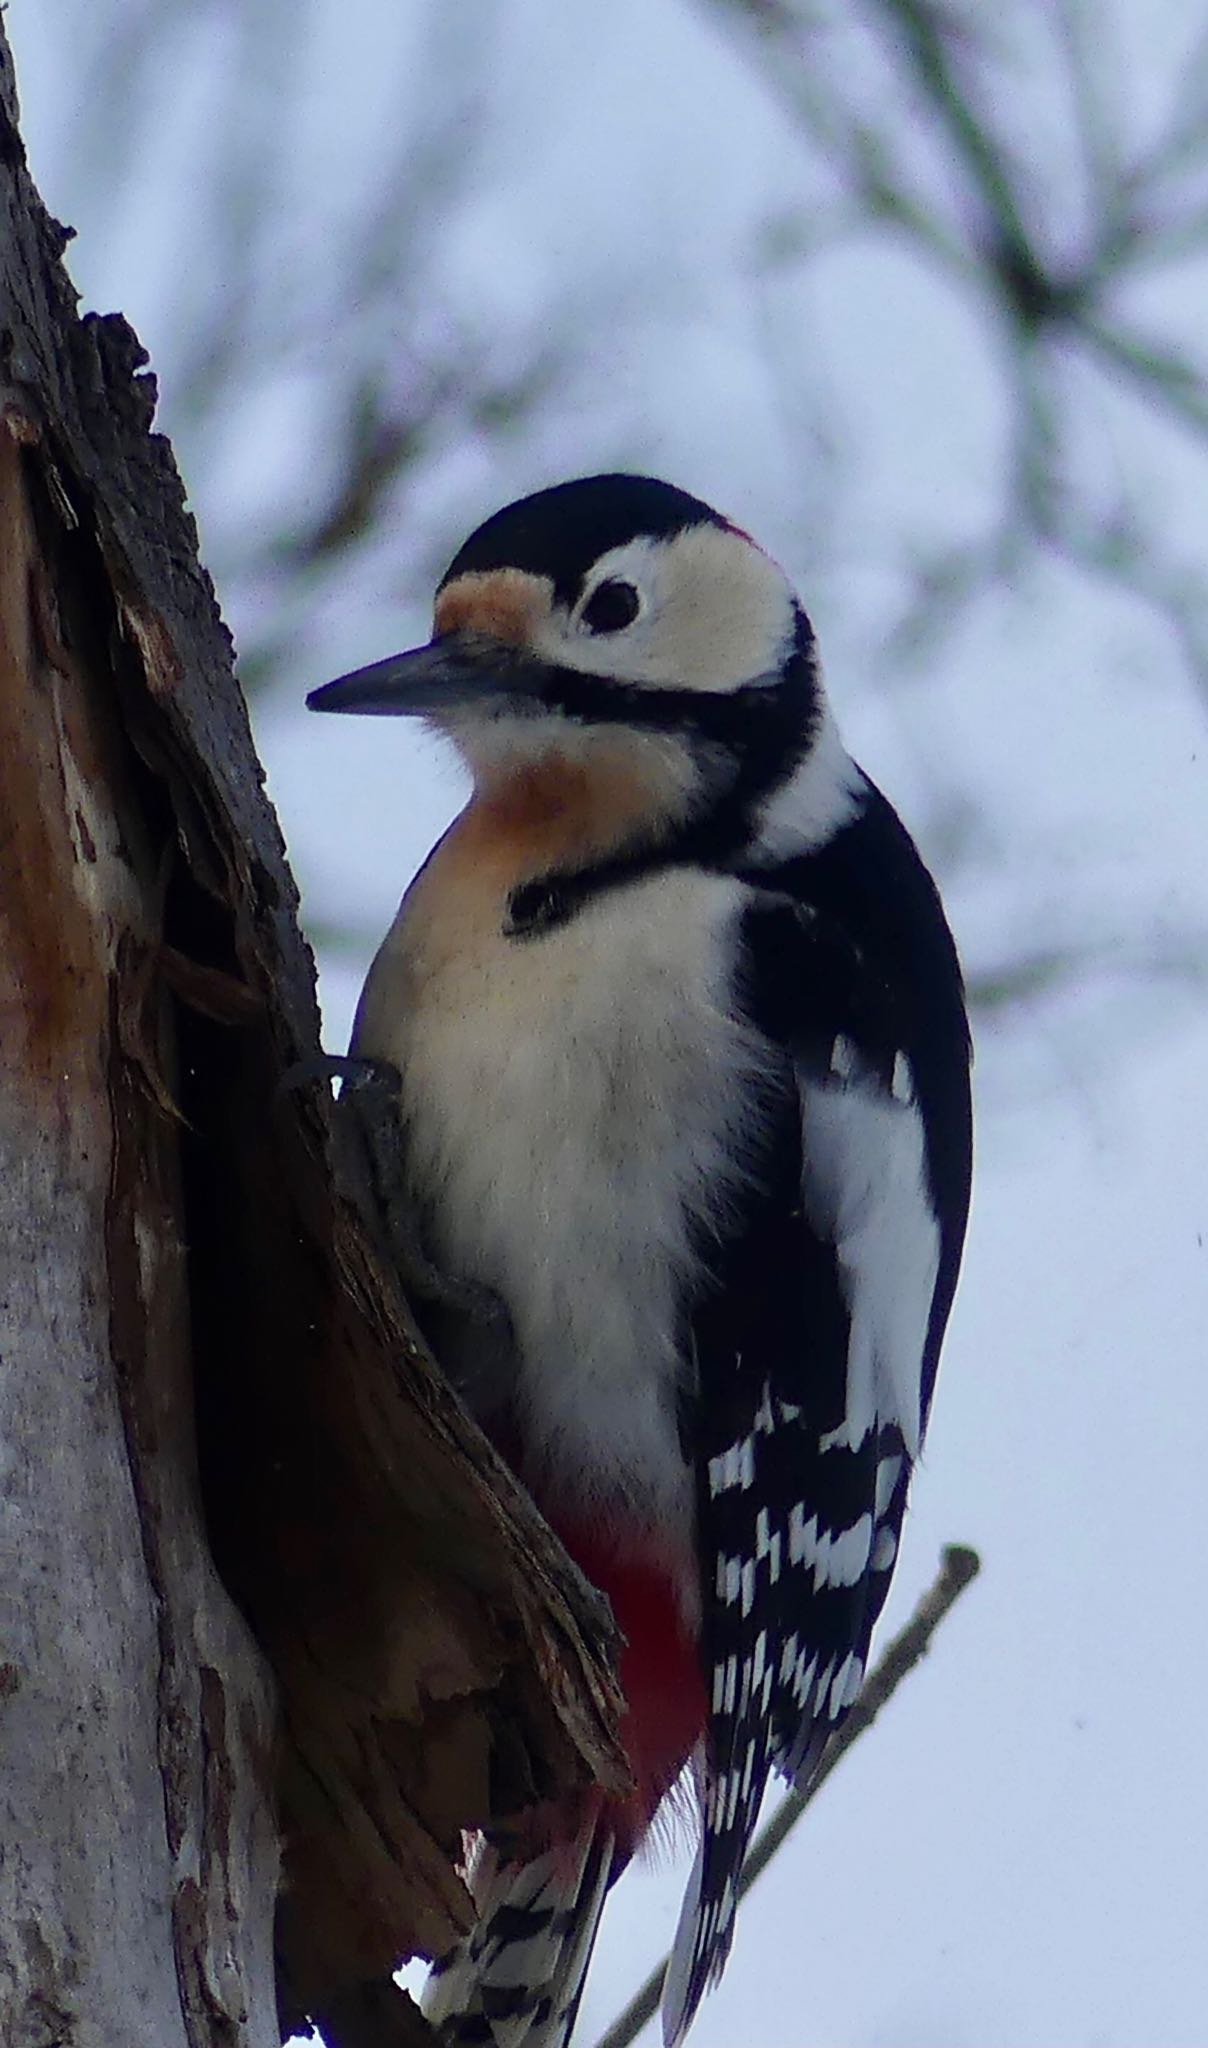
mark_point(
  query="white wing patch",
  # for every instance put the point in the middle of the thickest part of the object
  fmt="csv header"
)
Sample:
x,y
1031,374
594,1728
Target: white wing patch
x,y
865,1188
836,1559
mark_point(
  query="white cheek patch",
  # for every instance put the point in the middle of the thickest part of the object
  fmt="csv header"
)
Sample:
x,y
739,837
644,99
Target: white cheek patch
x,y
716,613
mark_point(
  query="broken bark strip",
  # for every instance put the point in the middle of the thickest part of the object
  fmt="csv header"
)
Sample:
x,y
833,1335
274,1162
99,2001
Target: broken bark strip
x,y
176,1250
140,1854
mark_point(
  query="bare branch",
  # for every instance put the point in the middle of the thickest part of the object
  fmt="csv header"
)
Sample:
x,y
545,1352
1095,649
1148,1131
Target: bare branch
x,y
959,1567
993,233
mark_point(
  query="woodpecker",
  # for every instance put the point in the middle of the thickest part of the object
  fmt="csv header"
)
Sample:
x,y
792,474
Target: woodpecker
x,y
684,1068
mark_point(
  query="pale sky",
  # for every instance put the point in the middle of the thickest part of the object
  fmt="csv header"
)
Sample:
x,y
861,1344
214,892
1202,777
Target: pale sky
x,y
1014,1858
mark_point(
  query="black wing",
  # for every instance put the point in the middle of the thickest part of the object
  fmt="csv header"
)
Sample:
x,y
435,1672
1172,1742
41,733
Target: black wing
x,y
817,1330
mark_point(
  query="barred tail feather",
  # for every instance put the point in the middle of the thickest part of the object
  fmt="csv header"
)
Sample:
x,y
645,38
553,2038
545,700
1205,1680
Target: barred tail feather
x,y
701,1946
517,1978
680,1995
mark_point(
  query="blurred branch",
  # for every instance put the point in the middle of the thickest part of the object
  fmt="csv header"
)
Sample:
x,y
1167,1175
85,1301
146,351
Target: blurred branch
x,y
939,87
383,437
908,111
1051,970
322,315
1176,961
959,1567
1164,376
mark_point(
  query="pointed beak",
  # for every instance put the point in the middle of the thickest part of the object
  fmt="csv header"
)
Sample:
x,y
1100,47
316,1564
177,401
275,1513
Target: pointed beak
x,y
443,676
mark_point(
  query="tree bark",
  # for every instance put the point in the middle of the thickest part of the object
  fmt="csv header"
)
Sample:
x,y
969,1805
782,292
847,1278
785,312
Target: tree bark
x,y
140,1856
208,1385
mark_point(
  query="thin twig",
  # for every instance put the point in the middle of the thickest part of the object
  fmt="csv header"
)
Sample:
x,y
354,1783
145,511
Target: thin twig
x,y
959,1566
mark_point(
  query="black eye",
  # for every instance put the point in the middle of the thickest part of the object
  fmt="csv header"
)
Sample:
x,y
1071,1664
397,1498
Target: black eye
x,y
611,606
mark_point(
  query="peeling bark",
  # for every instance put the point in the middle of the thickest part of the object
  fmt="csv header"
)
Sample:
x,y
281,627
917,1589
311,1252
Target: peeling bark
x,y
140,1854
264,1589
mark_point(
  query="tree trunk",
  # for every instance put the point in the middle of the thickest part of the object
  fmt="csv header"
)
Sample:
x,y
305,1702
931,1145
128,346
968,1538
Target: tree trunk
x,y
181,1262
140,1856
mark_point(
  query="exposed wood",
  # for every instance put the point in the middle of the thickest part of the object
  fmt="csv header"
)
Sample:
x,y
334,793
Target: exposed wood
x,y
178,1236
140,1858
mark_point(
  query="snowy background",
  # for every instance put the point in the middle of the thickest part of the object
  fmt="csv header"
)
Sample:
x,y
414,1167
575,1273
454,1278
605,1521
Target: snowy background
x,y
396,263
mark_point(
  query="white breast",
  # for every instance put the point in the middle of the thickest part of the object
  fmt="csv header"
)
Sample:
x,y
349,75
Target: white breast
x,y
571,1101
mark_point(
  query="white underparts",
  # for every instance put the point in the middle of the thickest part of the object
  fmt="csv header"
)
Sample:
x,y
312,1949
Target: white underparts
x,y
570,1102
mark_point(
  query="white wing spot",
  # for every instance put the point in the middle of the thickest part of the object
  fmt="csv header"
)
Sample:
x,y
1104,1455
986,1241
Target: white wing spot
x,y
735,1467
765,1421
744,1690
731,1683
732,1803
729,1579
824,1679
748,1769
888,1473
848,1556
717,1797
803,1535
803,1677
852,1675
837,1560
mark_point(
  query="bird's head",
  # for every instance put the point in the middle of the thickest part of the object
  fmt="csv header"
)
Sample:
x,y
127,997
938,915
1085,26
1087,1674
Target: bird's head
x,y
614,620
